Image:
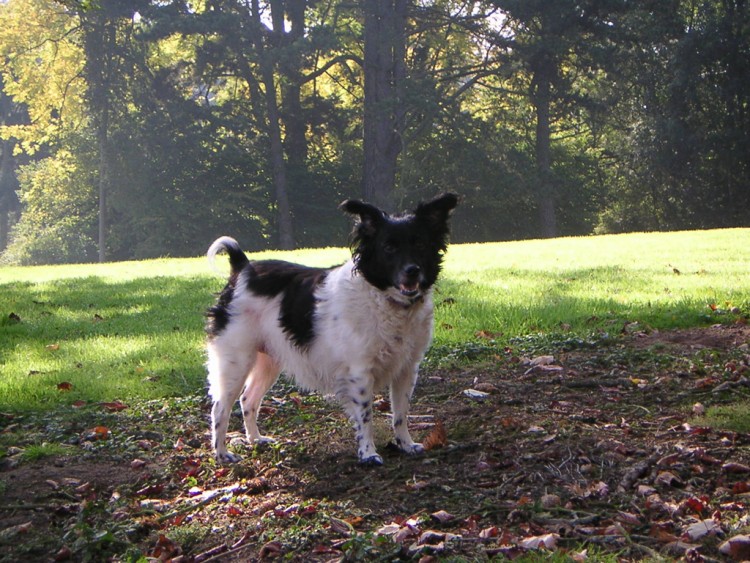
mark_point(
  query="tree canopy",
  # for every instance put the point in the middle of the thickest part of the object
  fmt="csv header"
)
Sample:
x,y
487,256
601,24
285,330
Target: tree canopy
x,y
134,128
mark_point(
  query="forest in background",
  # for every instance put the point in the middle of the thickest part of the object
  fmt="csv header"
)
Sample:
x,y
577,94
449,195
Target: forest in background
x,y
138,128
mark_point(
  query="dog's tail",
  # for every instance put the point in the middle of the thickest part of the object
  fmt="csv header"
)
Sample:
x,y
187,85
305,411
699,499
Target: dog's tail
x,y
237,258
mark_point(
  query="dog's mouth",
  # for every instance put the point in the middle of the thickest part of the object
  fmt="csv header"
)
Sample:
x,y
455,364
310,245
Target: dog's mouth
x,y
409,289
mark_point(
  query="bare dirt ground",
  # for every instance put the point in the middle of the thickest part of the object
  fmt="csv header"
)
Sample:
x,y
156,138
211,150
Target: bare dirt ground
x,y
595,452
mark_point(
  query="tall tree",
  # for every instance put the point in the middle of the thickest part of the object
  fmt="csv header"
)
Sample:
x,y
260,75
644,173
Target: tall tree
x,y
10,114
384,106
106,29
552,41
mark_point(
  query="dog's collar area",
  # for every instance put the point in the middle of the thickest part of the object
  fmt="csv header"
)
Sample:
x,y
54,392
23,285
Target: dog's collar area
x,y
406,304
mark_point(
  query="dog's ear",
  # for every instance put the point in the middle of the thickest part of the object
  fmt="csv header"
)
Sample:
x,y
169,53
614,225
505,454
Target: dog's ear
x,y
370,217
437,210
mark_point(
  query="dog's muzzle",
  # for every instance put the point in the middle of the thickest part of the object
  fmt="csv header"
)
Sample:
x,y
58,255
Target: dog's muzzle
x,y
409,281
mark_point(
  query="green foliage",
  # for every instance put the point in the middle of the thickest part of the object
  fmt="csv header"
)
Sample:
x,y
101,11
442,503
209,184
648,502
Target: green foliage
x,y
60,219
163,105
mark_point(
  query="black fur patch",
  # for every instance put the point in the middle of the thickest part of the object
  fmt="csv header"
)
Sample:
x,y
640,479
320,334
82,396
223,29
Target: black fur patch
x,y
297,283
218,315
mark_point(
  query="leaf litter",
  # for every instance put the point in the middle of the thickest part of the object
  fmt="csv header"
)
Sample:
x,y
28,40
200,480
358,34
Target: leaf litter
x,y
585,451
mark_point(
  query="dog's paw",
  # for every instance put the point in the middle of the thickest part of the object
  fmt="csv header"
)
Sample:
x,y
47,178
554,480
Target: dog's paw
x,y
413,449
263,440
371,461
227,457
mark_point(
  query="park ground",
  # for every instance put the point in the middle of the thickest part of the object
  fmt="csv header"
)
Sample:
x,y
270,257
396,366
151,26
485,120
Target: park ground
x,y
583,450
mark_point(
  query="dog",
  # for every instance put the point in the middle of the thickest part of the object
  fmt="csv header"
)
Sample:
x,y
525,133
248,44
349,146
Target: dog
x,y
348,330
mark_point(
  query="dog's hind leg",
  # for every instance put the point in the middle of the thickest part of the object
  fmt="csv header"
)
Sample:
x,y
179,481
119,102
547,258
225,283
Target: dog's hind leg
x,y
227,372
261,379
401,390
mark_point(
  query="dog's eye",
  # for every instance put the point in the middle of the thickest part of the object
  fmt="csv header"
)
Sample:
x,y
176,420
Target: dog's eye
x,y
389,248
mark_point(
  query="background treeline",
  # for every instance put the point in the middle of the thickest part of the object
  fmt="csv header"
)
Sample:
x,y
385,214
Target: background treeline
x,y
137,128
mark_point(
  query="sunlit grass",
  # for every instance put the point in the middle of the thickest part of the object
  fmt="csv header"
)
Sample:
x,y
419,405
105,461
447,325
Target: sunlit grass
x,y
135,329
734,417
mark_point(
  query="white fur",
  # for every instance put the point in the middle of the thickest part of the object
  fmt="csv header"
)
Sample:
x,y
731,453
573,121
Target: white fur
x,y
365,340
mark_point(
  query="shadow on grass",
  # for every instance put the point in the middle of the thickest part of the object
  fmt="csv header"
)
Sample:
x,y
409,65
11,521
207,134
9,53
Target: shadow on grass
x,y
109,340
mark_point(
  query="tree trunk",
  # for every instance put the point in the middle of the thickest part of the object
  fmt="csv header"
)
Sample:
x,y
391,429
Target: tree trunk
x,y
384,69
541,97
292,114
103,186
7,189
100,40
278,163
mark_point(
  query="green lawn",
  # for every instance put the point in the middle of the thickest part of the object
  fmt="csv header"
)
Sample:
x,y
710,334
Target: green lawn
x,y
134,330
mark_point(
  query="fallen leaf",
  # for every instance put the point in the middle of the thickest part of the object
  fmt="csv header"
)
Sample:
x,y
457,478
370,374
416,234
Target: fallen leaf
x,y
83,488
629,518
668,479
355,521
115,406
541,361
701,529
150,490
387,530
694,504
737,547
579,556
442,516
13,531
404,533
382,405
491,532
437,438
488,334
63,554
96,433
322,549
52,347
234,511
431,537
165,549
732,467
64,386
475,394
547,541
645,490
662,534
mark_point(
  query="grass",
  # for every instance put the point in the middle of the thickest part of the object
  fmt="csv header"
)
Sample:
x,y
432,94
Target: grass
x,y
133,330
733,417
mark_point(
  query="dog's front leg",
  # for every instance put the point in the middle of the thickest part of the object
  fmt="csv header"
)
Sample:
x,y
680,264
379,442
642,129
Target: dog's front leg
x,y
401,390
356,398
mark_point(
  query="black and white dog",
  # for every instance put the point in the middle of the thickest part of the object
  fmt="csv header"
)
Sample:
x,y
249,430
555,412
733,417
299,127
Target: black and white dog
x,y
349,330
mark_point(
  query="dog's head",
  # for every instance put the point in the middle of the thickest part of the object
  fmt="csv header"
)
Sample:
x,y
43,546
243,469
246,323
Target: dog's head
x,y
401,254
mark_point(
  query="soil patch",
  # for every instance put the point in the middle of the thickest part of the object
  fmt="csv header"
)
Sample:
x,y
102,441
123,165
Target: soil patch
x,y
593,451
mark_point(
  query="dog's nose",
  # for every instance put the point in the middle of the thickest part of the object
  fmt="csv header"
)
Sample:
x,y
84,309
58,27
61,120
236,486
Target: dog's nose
x,y
412,270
